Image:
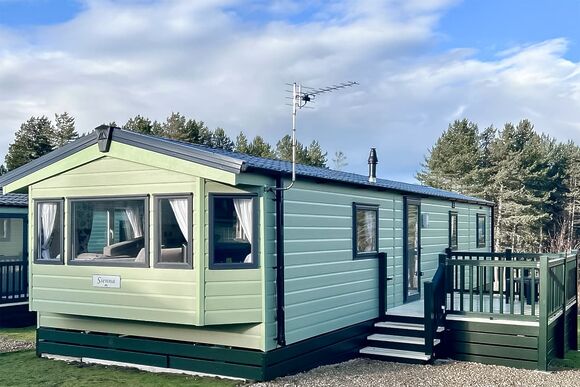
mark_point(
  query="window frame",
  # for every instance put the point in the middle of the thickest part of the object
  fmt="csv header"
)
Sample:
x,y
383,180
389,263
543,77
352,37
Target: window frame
x,y
479,218
71,228
157,227
452,215
37,249
367,254
211,220
7,229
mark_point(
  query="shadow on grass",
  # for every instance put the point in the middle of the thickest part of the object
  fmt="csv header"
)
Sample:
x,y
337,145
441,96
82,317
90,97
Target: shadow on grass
x,y
25,369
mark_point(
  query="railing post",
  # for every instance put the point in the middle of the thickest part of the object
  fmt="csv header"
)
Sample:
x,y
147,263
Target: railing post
x,y
543,326
382,257
574,337
428,317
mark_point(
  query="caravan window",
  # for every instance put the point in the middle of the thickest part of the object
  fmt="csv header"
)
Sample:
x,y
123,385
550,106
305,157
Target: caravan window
x,y
174,230
233,229
109,232
453,236
49,232
365,230
480,228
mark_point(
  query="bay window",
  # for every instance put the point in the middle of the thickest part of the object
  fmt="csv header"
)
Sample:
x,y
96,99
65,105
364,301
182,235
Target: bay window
x,y
109,231
49,232
174,229
233,232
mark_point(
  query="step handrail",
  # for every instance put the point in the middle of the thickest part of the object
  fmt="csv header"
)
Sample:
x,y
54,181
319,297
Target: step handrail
x,y
434,305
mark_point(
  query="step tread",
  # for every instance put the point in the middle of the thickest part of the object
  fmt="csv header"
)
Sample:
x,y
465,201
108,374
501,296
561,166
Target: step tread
x,y
400,339
395,353
408,326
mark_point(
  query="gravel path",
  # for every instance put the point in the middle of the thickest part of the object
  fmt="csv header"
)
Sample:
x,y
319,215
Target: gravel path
x,y
367,373
9,345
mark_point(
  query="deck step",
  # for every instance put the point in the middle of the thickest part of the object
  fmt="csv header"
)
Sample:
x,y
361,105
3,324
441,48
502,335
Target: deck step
x,y
400,339
395,355
405,326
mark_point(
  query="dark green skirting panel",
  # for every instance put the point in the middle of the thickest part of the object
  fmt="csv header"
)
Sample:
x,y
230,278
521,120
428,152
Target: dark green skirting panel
x,y
491,343
332,347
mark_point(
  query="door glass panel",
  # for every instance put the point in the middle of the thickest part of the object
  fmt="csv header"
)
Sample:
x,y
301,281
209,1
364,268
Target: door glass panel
x,y
11,239
412,250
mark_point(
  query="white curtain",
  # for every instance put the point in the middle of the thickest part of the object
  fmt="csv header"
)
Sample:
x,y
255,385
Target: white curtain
x,y
47,219
135,220
179,207
245,218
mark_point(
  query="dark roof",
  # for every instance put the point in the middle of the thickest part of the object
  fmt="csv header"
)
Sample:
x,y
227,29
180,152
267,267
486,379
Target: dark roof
x,y
285,167
232,162
13,200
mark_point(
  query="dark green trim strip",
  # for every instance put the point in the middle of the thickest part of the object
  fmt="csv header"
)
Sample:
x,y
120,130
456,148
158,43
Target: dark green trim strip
x,y
163,347
496,361
102,353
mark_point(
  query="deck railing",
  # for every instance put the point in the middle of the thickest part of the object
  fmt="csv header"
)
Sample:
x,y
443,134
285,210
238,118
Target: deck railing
x,y
13,282
434,305
538,288
505,283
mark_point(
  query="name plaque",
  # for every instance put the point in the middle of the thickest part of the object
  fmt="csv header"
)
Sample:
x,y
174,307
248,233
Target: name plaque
x,y
106,281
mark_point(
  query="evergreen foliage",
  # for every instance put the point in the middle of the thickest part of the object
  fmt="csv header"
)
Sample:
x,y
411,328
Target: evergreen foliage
x,y
532,179
64,130
38,136
35,138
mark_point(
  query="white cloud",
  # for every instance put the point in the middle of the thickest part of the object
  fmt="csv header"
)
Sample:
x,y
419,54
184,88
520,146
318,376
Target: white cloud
x,y
211,61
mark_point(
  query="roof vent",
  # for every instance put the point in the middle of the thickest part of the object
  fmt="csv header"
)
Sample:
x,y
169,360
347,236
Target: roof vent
x,y
373,160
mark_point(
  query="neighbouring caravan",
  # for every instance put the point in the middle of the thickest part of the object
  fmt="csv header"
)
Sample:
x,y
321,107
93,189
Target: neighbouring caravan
x,y
14,261
155,252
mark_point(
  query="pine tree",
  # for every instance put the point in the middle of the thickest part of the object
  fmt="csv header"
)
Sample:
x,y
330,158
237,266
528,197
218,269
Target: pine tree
x,y
284,150
241,143
64,130
3,169
139,124
259,147
174,127
315,156
339,161
33,140
221,140
453,161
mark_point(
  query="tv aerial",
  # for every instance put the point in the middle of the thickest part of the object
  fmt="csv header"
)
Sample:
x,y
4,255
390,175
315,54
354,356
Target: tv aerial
x,y
301,96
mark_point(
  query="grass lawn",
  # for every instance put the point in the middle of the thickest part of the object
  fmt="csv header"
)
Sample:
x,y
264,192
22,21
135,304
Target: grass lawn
x,y
20,334
572,359
25,369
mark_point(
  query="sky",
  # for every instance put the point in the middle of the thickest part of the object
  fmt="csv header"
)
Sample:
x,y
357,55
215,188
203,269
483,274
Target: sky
x,y
420,64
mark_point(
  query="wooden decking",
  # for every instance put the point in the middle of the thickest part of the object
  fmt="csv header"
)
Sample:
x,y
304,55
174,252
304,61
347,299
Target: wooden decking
x,y
415,308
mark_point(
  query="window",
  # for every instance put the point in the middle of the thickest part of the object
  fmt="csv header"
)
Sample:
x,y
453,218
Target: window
x,y
174,229
480,227
12,238
365,230
109,232
453,238
232,232
49,232
4,229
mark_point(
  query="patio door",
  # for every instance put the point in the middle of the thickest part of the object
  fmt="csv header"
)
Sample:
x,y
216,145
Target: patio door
x,y
412,250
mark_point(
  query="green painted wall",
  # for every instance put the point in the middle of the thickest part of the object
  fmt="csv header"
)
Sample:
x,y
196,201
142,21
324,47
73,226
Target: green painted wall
x,y
165,303
326,288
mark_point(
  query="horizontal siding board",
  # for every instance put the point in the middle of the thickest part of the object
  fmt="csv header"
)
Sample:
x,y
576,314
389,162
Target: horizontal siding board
x,y
235,316
235,335
494,351
164,315
97,297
